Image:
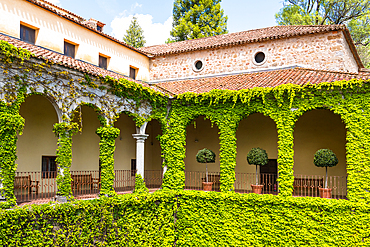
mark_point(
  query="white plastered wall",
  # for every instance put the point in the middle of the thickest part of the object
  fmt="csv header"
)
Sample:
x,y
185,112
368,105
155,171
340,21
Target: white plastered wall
x,y
53,30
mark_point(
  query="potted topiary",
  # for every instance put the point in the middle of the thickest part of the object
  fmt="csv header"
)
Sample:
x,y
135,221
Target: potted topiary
x,y
325,158
257,157
206,156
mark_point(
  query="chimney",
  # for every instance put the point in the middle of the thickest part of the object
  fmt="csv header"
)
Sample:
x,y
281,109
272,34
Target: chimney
x,y
97,25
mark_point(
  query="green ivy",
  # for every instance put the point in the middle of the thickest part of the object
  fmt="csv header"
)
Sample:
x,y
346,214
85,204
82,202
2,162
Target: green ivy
x,y
189,218
140,186
64,132
107,146
11,125
283,104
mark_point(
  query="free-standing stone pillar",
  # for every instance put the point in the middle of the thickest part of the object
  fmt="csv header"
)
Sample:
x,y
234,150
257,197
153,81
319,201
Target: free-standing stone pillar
x,y
140,145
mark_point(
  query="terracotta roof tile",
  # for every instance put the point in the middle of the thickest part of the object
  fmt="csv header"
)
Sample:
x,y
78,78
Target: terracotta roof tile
x,y
230,39
66,61
273,78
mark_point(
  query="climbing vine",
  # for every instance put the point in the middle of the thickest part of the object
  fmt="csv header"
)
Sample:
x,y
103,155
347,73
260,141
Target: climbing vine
x,y
283,104
107,146
64,132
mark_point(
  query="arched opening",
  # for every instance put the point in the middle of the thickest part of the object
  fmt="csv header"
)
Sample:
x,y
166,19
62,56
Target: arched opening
x,y
318,129
153,160
85,170
255,131
201,134
125,154
36,151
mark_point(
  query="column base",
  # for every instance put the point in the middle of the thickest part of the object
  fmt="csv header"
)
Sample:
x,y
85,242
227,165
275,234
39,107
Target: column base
x,y
61,199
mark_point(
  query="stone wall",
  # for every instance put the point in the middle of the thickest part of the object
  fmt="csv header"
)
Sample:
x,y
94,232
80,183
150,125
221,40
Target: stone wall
x,y
327,51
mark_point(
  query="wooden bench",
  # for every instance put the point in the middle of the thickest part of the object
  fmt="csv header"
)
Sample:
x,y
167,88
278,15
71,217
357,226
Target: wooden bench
x,y
215,179
25,182
79,180
308,183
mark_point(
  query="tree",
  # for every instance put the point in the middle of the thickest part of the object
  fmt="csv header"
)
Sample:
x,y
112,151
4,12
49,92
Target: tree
x,y
134,34
353,13
193,19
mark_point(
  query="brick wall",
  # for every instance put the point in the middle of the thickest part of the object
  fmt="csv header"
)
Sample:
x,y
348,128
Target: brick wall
x,y
328,51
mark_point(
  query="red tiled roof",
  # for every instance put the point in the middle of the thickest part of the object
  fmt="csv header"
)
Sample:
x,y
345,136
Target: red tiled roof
x,y
66,61
271,78
58,8
75,20
251,36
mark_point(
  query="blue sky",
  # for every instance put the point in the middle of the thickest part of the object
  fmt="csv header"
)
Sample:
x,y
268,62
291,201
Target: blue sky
x,y
155,16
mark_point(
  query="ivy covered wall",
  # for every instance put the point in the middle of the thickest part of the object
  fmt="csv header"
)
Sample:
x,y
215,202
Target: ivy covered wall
x,y
189,218
283,104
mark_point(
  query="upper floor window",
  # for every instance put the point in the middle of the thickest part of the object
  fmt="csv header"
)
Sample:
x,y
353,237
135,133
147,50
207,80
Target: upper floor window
x,y
69,49
103,62
133,73
28,34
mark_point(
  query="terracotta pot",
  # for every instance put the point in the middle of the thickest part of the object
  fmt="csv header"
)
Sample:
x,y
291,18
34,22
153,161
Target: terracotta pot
x,y
325,193
257,188
207,186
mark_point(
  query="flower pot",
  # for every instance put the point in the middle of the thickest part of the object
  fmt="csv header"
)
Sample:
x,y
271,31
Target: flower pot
x,y
207,186
257,188
325,193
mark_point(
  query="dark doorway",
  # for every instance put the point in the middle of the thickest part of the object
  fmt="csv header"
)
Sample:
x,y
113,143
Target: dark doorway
x,y
268,176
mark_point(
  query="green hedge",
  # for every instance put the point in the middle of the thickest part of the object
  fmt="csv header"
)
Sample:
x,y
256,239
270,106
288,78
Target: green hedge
x,y
189,218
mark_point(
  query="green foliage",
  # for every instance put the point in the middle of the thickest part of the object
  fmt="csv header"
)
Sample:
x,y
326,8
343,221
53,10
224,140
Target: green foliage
x,y
134,34
189,218
11,125
284,105
257,156
107,146
325,158
197,19
353,13
140,186
64,132
205,156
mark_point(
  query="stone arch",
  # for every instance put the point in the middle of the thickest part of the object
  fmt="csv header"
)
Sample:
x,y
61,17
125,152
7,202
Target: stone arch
x,y
256,130
153,160
85,143
316,129
125,151
52,102
200,133
38,139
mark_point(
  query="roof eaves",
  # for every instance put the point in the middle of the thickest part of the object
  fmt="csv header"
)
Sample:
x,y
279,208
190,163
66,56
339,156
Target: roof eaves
x,y
87,26
352,47
255,40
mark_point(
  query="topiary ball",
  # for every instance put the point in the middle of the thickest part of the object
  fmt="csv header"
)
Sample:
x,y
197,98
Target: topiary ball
x,y
257,156
206,156
325,158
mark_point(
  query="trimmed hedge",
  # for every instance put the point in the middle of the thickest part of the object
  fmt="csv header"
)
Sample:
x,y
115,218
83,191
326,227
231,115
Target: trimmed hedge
x,y
189,218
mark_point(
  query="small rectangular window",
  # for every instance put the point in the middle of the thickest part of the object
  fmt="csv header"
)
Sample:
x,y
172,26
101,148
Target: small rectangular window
x,y
69,49
28,34
132,73
103,62
133,167
49,167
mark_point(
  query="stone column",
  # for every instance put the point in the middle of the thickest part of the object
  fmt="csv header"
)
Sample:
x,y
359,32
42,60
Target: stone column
x,y
140,142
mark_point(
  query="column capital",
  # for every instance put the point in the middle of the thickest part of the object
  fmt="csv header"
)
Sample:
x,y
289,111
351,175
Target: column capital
x,y
140,137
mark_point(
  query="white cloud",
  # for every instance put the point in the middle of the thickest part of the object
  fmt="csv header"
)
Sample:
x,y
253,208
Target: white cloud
x,y
55,2
154,33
